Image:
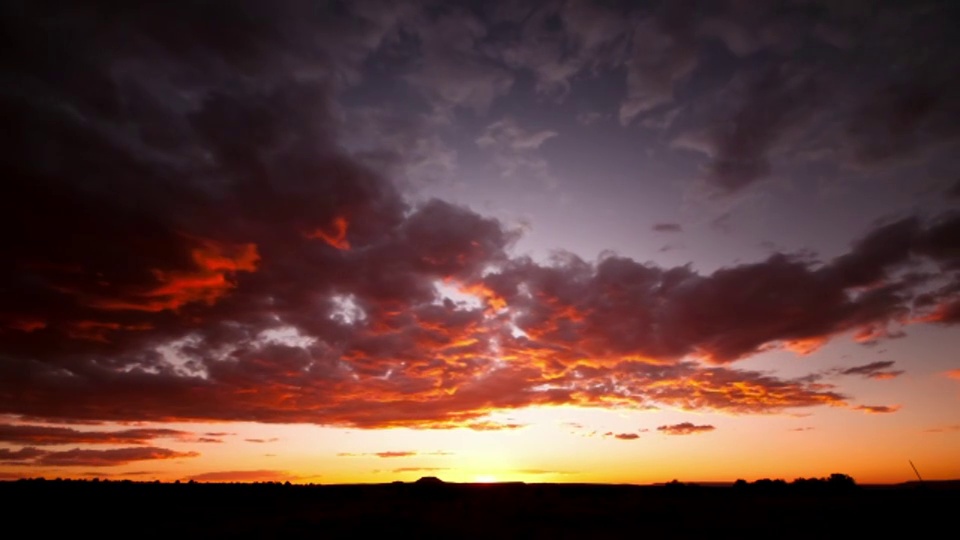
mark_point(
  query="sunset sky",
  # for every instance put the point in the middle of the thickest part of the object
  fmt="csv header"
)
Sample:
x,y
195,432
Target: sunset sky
x,y
561,241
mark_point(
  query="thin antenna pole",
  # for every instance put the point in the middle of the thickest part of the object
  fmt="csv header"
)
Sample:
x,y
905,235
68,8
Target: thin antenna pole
x,y
915,471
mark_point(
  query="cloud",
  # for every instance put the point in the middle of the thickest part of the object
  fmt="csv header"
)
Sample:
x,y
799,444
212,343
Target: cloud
x,y
108,458
623,436
773,102
244,476
486,425
877,409
685,428
954,191
806,428
557,41
953,374
49,435
543,471
189,239
873,370
22,454
394,454
261,441
419,469
944,429
667,227
663,53
902,120
515,150
455,70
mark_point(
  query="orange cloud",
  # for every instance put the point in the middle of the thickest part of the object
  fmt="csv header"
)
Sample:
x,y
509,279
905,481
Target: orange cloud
x,y
953,374
386,454
216,262
244,476
877,409
804,347
335,235
685,428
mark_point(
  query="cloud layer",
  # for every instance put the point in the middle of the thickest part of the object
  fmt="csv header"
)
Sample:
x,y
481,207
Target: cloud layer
x,y
187,239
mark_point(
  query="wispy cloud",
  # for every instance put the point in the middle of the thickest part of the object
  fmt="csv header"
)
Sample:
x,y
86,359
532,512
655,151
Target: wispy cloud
x,y
873,370
244,476
394,454
877,409
685,428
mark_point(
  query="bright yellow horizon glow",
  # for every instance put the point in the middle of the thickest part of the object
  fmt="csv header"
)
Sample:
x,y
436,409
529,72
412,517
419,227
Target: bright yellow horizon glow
x,y
562,444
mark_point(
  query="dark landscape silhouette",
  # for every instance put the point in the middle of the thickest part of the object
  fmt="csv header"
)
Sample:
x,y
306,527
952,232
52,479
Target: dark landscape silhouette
x,y
831,507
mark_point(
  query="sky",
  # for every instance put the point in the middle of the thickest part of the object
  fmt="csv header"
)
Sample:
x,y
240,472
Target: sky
x,y
559,241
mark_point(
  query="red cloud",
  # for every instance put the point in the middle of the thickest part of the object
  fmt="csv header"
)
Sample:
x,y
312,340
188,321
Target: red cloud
x,y
107,458
99,330
337,237
244,476
215,263
395,454
27,324
23,454
685,428
387,454
49,435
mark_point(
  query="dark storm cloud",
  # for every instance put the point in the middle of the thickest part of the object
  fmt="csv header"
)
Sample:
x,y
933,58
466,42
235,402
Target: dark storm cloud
x,y
685,428
807,79
773,102
954,191
873,370
186,238
456,70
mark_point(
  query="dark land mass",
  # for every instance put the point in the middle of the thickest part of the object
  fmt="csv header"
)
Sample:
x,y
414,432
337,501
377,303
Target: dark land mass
x,y
433,509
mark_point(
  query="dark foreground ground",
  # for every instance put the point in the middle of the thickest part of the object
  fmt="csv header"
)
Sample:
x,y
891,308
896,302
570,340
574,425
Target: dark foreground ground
x,y
57,509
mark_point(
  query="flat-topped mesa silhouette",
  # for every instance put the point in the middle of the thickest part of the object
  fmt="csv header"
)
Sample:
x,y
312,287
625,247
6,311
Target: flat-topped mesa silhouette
x,y
429,481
